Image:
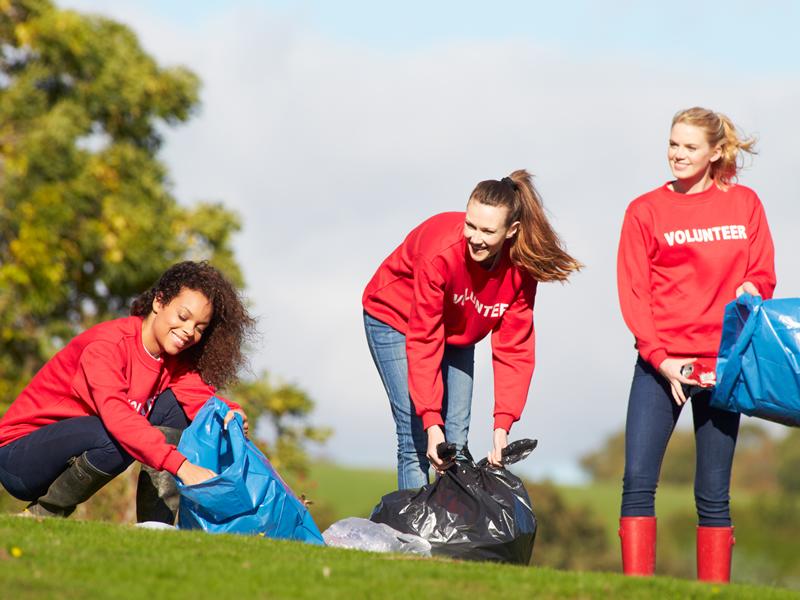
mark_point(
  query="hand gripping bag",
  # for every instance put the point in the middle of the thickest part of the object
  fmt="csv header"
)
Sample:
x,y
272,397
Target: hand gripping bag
x,y
248,496
757,369
474,511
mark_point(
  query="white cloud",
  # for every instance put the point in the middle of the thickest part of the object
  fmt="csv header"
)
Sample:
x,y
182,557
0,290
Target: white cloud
x,y
332,152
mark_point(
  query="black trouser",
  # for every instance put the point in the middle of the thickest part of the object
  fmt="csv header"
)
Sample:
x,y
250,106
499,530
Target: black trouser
x,y
30,464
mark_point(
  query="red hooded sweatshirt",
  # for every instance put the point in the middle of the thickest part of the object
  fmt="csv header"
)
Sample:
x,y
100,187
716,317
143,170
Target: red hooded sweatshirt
x,y
106,372
430,290
681,258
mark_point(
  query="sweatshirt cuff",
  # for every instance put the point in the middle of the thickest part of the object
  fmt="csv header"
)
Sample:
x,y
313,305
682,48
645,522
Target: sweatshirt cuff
x,y
173,462
656,357
431,418
503,421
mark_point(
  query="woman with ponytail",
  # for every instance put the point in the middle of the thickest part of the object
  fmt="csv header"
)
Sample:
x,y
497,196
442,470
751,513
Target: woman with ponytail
x,y
687,248
454,279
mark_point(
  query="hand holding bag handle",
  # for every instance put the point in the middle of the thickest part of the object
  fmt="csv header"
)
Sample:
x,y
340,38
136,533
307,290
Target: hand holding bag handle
x,y
226,489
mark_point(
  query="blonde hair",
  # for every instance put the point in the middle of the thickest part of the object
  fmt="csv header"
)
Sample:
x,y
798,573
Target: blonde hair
x,y
536,247
720,131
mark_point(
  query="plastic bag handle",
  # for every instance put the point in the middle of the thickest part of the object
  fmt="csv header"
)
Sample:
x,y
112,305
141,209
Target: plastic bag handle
x,y
726,380
514,452
446,450
235,435
519,450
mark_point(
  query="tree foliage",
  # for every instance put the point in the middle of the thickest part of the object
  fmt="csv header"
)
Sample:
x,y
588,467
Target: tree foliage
x,y
756,461
87,219
568,537
281,410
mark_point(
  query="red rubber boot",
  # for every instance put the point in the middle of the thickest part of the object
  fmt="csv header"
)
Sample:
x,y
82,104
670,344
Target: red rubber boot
x,y
714,548
638,538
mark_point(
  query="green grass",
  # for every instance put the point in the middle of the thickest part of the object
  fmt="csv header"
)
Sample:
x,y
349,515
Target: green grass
x,y
56,559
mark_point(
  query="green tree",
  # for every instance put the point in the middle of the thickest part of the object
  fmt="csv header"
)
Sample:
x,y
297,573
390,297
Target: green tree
x,y
608,462
284,409
87,219
568,537
754,461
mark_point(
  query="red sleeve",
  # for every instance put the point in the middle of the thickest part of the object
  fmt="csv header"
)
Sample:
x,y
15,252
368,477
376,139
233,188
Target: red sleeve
x,y
100,382
192,392
636,250
425,343
761,253
513,358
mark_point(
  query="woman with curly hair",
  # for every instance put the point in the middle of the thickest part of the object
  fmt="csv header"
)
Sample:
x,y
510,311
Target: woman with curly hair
x,y
124,390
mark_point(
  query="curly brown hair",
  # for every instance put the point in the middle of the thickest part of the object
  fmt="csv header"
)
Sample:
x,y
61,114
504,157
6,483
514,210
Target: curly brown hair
x,y
218,355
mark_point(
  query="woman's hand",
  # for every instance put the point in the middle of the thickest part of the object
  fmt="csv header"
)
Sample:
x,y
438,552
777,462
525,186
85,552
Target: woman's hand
x,y
499,441
670,368
192,474
237,411
436,437
749,288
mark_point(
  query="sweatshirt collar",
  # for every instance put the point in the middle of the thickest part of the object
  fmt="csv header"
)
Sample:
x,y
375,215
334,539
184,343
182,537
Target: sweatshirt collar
x,y
154,364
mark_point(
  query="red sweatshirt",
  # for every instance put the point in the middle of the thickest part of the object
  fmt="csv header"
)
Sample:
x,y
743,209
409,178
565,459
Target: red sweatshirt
x,y
681,258
431,290
106,372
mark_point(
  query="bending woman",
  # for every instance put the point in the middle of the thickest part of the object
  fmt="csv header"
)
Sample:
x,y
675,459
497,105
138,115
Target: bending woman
x,y
124,390
687,249
454,279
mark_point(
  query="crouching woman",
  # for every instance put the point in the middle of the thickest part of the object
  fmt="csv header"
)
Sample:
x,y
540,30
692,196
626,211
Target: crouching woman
x,y
122,391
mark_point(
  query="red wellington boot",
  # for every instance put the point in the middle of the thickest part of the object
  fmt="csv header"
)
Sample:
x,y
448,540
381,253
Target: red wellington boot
x,y
638,538
714,547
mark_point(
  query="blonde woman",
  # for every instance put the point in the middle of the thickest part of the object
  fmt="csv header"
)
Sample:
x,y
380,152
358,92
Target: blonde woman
x,y
687,248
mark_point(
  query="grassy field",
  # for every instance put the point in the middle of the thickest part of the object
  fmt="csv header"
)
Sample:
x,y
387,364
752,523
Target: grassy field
x,y
56,559
349,492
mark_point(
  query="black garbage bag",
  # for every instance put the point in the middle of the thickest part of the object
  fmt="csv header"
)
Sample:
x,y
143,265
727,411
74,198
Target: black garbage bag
x,y
474,511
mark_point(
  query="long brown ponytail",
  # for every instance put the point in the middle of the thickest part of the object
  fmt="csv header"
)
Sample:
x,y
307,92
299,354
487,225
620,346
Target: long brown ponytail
x,y
536,247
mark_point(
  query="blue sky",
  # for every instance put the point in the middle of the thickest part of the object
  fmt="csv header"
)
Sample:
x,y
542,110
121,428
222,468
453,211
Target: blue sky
x,y
756,37
333,128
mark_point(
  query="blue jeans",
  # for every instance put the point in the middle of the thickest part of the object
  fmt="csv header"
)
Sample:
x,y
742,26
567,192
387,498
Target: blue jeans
x,y
652,415
388,349
30,464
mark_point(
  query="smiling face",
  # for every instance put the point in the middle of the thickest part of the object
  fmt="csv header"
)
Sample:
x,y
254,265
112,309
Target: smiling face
x,y
177,325
486,229
690,155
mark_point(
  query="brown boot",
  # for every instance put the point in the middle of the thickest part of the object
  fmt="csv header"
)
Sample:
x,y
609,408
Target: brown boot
x,y
79,482
157,496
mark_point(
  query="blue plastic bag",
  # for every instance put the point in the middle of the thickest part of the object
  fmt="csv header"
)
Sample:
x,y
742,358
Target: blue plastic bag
x,y
757,368
248,496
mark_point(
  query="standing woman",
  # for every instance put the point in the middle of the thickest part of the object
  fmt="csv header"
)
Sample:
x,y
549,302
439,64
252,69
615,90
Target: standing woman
x,y
687,248
124,390
455,278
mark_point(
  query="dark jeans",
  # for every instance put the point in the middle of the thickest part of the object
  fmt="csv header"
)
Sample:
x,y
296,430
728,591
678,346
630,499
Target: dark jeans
x,y
30,464
652,415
